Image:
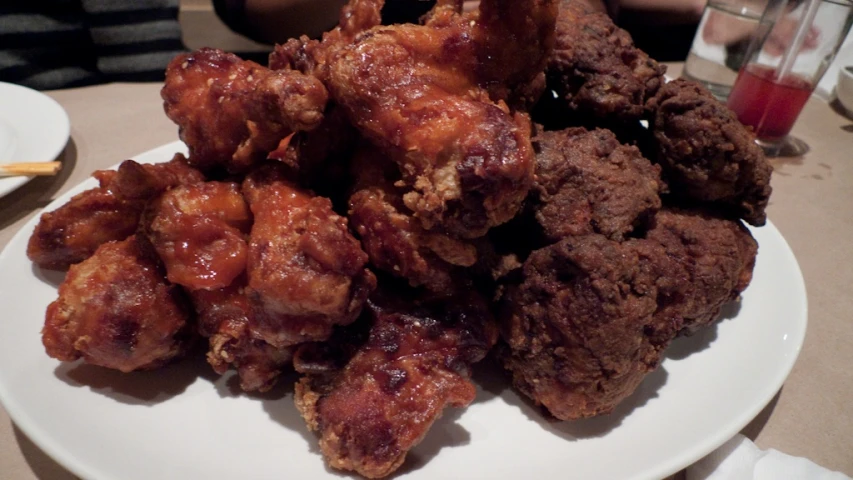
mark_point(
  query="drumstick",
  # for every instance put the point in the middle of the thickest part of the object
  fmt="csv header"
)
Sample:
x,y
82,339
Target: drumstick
x,y
28,169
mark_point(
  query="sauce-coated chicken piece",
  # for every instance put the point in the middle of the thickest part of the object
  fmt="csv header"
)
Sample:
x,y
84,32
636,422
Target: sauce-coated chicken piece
x,y
306,271
73,232
199,231
226,317
421,94
116,310
415,362
394,240
232,113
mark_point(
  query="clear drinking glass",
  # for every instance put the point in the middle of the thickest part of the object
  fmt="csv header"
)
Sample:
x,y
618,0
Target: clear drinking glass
x,y
722,38
795,43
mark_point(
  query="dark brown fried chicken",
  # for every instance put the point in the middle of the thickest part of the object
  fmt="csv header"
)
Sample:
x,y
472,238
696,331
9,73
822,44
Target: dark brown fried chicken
x,y
199,231
306,271
587,182
116,310
415,363
72,233
596,70
232,113
706,153
226,317
417,92
718,255
396,242
576,326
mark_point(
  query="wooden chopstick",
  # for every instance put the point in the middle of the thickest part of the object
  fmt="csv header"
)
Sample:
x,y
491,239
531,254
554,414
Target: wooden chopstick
x,y
27,169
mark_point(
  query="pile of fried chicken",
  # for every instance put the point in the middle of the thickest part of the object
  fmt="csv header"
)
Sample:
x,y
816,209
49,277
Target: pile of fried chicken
x,y
381,208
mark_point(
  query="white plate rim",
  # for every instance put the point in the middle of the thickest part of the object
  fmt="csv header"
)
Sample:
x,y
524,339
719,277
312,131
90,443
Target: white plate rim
x,y
25,421
42,108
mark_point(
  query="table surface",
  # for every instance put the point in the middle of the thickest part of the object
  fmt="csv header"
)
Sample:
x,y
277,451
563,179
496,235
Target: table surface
x,y
812,206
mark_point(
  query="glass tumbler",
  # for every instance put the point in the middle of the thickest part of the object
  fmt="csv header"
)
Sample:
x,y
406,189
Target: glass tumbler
x,y
795,43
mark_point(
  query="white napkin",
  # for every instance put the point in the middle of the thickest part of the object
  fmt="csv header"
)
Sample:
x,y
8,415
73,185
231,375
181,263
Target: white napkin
x,y
740,459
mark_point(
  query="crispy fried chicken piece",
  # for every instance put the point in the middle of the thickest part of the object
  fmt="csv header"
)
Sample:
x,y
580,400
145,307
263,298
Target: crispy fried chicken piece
x,y
232,113
394,241
595,68
199,231
417,92
415,363
718,254
116,310
72,233
706,154
578,325
306,271
587,182
226,317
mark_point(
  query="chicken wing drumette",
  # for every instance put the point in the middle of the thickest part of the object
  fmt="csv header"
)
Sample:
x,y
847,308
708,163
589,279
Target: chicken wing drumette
x,y
415,362
232,113
116,310
306,272
596,70
707,155
109,212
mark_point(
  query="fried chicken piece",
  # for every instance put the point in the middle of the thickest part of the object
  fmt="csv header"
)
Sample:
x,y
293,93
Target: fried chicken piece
x,y
587,182
577,325
596,70
415,363
718,254
226,317
199,231
419,94
706,153
116,310
306,271
111,211
394,241
232,113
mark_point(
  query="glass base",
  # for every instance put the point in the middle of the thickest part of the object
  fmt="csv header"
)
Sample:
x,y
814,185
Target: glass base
x,y
785,147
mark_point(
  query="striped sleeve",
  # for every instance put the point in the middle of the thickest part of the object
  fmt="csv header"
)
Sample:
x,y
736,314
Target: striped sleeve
x,y
134,41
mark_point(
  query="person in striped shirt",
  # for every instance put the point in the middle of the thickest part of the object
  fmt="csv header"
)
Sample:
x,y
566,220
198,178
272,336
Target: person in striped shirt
x,y
48,44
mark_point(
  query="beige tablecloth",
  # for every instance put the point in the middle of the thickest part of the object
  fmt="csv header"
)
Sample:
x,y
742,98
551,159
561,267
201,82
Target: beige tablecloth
x,y
812,205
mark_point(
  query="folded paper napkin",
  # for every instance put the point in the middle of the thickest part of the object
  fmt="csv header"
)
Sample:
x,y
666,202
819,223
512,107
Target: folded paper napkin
x,y
740,459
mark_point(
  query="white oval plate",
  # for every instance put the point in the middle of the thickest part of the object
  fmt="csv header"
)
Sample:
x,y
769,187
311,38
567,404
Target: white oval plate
x,y
33,128
185,422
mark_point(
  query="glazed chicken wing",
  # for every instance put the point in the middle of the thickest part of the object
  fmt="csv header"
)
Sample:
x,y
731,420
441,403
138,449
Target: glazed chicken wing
x,y
199,231
306,271
415,363
116,310
587,182
707,155
226,317
420,94
394,241
232,113
73,232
